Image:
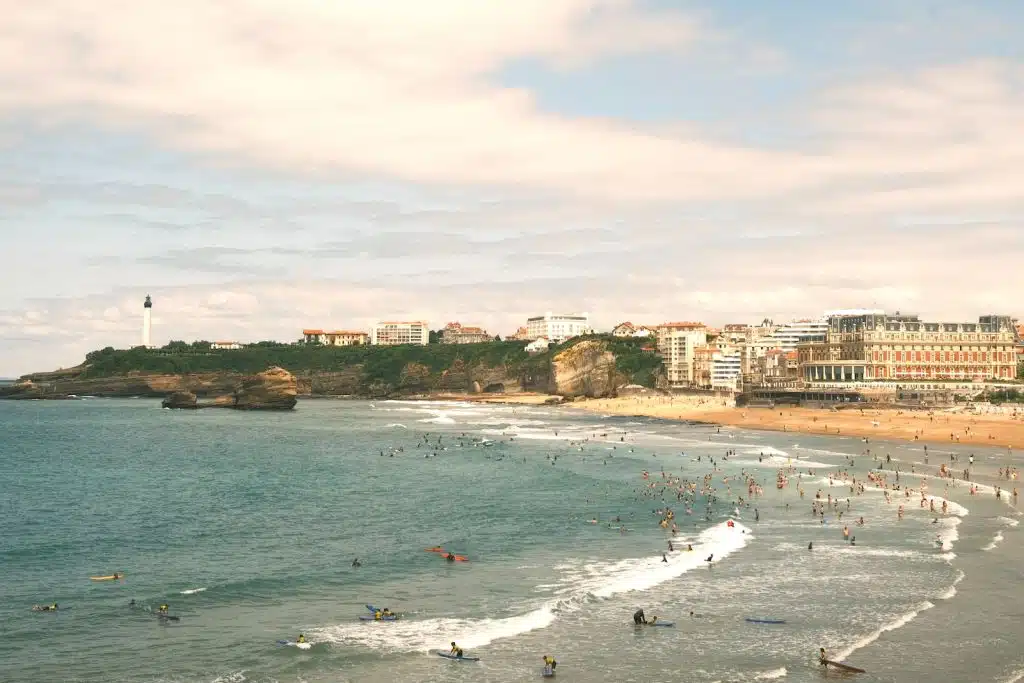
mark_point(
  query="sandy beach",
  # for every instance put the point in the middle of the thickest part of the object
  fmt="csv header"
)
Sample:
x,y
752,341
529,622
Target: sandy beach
x,y
997,426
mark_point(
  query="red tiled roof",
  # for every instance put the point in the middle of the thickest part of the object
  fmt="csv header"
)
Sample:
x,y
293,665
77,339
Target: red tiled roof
x,y
312,332
683,325
355,333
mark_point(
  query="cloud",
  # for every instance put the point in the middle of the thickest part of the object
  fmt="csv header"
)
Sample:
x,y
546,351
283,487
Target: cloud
x,y
397,89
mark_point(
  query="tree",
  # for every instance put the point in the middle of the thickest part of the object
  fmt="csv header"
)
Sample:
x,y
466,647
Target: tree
x,y
434,336
1020,370
497,337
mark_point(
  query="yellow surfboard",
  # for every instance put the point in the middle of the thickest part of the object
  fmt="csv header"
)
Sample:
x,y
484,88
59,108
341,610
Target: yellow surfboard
x,y
112,577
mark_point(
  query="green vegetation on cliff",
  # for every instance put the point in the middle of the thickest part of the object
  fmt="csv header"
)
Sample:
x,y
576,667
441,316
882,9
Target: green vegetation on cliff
x,y
379,363
351,370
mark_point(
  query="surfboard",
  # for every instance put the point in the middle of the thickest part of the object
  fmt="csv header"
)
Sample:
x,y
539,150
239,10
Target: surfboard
x,y
40,608
765,621
435,549
301,646
457,659
844,667
363,617
547,672
166,617
112,577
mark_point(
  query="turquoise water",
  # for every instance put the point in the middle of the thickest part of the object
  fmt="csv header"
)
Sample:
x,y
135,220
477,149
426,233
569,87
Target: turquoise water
x,y
247,525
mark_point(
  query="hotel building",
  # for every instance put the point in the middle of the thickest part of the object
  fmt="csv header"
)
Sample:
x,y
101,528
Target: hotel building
x,y
558,327
876,346
456,333
677,343
335,337
394,333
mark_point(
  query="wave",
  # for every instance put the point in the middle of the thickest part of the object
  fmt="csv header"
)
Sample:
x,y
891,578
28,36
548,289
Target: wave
x,y
951,591
876,634
439,419
771,675
397,424
589,582
1008,522
1016,676
996,540
191,591
776,461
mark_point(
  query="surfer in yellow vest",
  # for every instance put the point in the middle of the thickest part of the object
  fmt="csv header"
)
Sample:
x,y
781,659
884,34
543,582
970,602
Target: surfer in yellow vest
x,y
550,663
822,657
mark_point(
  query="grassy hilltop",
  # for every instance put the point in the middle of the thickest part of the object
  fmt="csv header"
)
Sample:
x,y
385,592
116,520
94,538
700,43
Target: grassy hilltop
x,y
353,370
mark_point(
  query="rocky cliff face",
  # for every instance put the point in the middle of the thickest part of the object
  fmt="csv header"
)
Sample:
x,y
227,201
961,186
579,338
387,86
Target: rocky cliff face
x,y
588,368
585,369
273,389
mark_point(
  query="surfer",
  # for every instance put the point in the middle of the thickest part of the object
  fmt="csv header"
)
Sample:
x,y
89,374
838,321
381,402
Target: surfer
x,y
550,662
300,639
450,557
709,558
456,650
46,608
663,558
639,618
387,613
357,563
822,657
132,603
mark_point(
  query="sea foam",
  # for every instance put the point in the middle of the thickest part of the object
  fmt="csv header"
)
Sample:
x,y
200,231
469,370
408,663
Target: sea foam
x,y
581,585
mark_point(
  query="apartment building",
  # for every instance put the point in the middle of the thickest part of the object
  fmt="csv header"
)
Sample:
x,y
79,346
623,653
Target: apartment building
x,y
395,333
726,371
457,333
557,327
225,345
336,337
877,346
677,343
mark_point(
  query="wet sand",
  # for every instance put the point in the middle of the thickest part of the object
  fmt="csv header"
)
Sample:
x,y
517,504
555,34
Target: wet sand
x,y
994,426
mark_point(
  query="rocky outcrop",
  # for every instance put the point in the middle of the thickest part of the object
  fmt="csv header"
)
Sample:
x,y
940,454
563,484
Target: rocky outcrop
x,y
585,369
273,389
181,400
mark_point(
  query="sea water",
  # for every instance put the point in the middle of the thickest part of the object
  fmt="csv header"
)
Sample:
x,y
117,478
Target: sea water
x,y
247,524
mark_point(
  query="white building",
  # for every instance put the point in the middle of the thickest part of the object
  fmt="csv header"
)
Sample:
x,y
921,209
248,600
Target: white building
x,y
798,332
147,323
538,345
558,327
394,333
726,370
225,345
676,343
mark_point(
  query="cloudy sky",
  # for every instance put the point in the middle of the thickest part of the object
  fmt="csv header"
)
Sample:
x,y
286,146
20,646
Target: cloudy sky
x,y
260,166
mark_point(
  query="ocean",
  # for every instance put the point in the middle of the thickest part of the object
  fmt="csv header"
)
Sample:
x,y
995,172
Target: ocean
x,y
247,525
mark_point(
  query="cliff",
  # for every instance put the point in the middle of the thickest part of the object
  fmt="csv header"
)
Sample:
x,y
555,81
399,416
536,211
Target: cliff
x,y
274,389
581,367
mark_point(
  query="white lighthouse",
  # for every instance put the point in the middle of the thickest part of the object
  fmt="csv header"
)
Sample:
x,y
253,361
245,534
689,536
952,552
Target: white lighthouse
x,y
147,323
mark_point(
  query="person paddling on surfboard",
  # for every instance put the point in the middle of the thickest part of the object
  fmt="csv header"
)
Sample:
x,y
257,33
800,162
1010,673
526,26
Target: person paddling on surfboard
x,y
163,609
301,638
450,557
639,618
456,650
550,662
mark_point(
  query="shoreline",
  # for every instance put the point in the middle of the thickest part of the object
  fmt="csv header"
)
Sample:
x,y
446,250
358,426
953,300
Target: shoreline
x,y
989,426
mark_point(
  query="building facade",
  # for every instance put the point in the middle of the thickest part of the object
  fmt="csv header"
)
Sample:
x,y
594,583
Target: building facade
x,y
726,371
628,329
521,334
558,327
538,345
336,337
677,343
457,333
873,347
395,333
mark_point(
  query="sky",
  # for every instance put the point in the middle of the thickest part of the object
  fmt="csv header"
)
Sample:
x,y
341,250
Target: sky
x,y
263,166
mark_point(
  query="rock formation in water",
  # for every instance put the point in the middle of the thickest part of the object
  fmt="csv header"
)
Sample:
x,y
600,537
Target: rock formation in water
x,y
180,400
273,389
